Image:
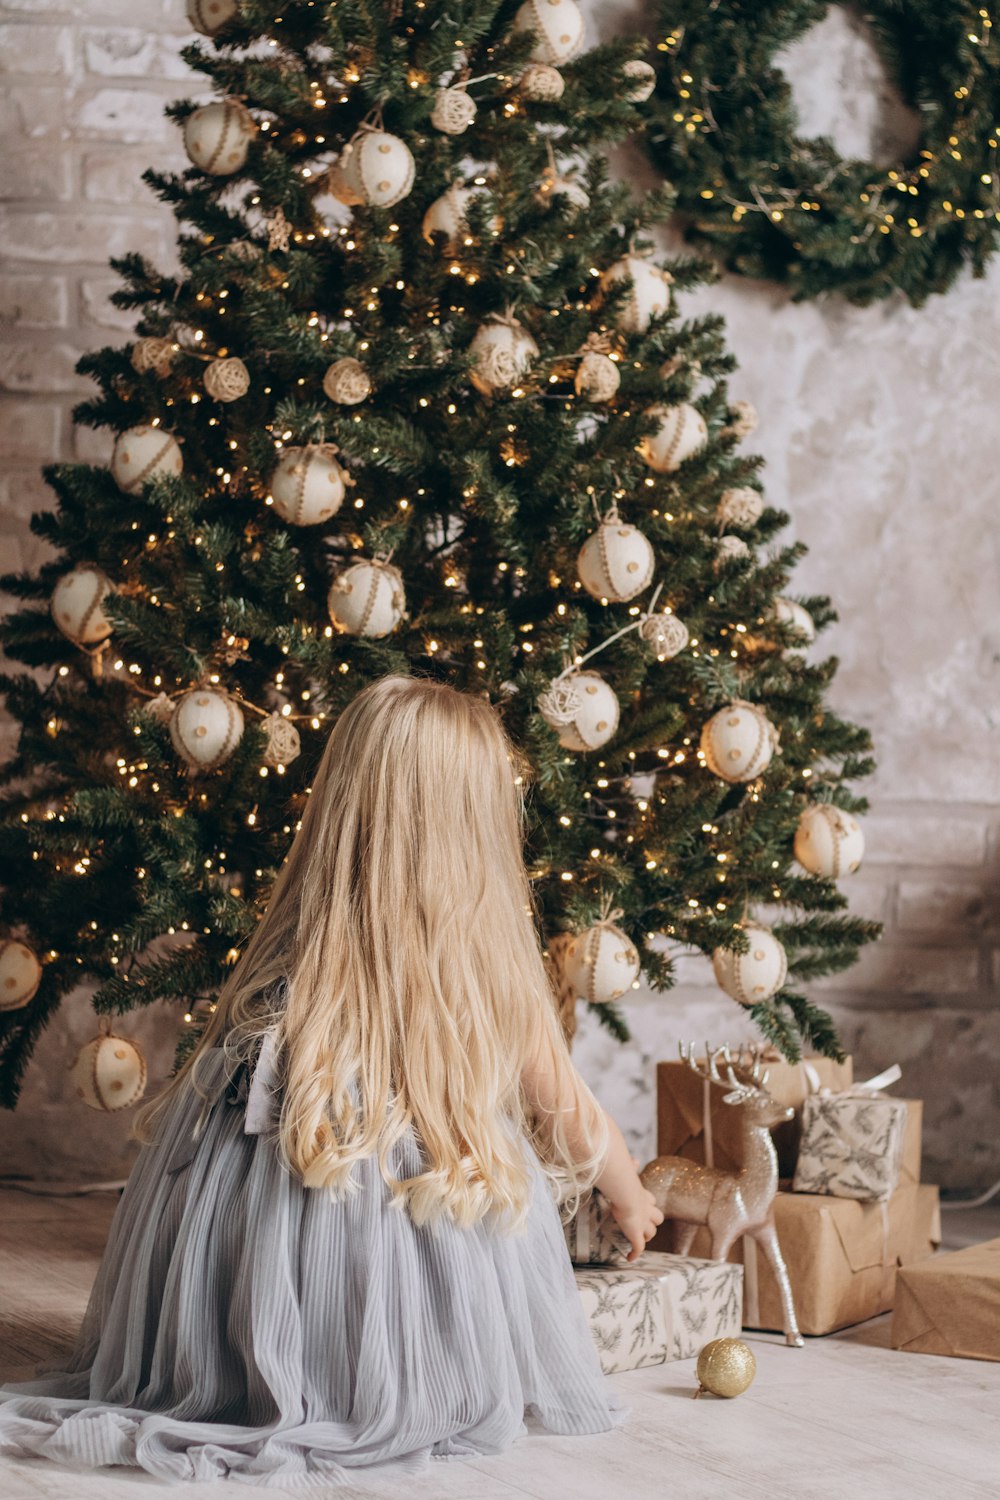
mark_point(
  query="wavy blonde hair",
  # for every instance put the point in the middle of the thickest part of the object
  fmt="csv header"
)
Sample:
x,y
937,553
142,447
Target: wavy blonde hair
x,y
403,924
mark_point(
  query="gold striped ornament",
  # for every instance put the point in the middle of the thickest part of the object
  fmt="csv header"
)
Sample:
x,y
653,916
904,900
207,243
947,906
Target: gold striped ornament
x,y
829,841
144,453
377,168
206,727
558,27
309,484
367,598
648,292
603,964
738,741
20,974
679,434
756,975
616,562
109,1073
217,137
76,605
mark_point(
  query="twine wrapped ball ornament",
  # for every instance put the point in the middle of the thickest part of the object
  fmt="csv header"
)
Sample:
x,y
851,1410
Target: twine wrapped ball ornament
x,y
308,485
153,355
558,27
217,137
283,742
641,81
454,110
665,635
743,419
829,841
602,964
347,382
729,549
797,617
582,708
378,168
726,1367
211,16
647,297
616,562
109,1073
76,605
20,974
502,350
205,728
142,454
742,506
367,598
738,741
681,432
541,83
226,379
597,376
339,185
756,975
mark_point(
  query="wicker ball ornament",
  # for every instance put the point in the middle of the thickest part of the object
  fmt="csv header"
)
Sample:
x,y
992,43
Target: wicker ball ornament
x,y
741,506
308,485
109,1073
20,974
217,137
284,743
616,562
738,741
454,110
648,292
829,841
502,350
367,598
743,419
76,605
681,432
211,16
665,635
347,382
205,728
377,168
160,708
756,975
226,379
602,964
558,27
726,1367
142,454
542,83
153,355
582,708
597,377
641,81
729,549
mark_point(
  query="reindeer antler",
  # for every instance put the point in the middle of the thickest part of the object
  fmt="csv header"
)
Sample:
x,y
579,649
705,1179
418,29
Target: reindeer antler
x,y
709,1070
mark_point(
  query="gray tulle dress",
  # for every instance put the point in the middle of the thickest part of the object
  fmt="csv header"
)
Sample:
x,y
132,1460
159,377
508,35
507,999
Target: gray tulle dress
x,y
244,1326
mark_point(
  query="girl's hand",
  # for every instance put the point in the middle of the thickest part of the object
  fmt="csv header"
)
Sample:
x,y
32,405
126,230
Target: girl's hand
x,y
638,1219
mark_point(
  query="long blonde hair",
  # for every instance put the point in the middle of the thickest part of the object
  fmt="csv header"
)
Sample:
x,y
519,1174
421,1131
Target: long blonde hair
x,y
403,925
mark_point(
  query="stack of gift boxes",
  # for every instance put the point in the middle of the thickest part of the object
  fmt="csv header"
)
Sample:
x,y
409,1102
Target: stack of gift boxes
x,y
850,1211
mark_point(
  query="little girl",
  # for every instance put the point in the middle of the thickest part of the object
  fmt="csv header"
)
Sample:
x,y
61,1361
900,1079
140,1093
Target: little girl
x,y
340,1245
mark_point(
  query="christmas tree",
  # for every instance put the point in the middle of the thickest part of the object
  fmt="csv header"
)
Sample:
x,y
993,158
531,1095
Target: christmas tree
x,y
418,400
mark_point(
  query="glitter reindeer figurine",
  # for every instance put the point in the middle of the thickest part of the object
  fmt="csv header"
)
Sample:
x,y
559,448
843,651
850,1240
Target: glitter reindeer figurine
x,y
730,1204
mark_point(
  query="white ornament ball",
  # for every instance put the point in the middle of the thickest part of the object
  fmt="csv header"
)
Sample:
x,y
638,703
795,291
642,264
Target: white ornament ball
x,y
347,381
829,841
742,506
142,454
738,741
367,598
642,81
647,297
796,616
454,111
601,964
378,167
283,741
541,83
76,605
109,1073
502,351
217,137
446,216
226,379
339,184
20,974
153,354
665,635
754,976
597,376
558,27
729,549
680,434
211,16
308,485
744,419
616,562
554,186
206,727
582,708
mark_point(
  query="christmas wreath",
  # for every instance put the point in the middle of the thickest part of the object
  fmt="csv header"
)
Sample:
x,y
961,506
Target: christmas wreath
x,y
773,204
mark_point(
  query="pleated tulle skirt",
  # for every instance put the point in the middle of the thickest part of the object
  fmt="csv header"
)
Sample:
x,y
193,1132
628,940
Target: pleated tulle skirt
x,y
244,1326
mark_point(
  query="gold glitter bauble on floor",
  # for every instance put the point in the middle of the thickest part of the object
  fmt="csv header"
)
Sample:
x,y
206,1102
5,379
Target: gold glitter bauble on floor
x,y
726,1367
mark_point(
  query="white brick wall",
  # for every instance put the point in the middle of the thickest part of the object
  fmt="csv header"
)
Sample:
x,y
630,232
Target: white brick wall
x,y
878,430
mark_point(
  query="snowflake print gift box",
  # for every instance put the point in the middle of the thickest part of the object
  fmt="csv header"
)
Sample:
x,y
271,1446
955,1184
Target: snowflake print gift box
x,y
852,1142
664,1307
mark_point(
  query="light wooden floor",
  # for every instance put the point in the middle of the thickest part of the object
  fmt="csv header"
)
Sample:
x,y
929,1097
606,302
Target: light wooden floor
x,y
844,1417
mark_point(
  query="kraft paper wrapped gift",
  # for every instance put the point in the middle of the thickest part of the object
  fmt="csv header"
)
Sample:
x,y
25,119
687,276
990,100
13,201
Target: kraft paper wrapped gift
x,y
664,1307
951,1304
692,1119
926,1238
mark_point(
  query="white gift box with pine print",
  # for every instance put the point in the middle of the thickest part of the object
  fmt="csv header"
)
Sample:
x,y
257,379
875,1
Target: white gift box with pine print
x,y
852,1142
